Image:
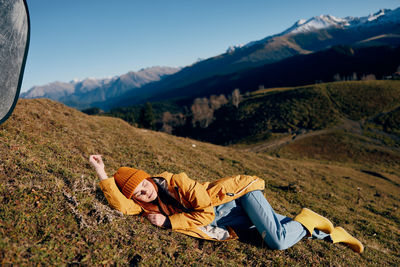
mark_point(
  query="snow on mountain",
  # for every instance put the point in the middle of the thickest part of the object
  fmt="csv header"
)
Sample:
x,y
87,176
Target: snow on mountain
x,y
377,15
316,23
383,16
328,21
233,48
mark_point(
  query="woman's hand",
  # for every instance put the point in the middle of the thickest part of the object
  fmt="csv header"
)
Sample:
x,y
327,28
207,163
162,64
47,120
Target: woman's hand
x,y
97,163
158,219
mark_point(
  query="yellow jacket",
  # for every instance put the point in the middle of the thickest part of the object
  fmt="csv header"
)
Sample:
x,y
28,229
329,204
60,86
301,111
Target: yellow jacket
x,y
201,198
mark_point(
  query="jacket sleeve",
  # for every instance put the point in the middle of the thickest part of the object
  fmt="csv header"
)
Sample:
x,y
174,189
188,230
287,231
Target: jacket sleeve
x,y
196,194
116,199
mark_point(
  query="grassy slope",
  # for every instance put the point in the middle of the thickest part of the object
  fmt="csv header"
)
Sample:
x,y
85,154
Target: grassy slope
x,y
364,126
321,105
265,113
53,212
343,147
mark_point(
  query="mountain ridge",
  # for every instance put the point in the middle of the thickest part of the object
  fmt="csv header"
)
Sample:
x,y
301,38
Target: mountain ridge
x,y
80,93
327,21
293,71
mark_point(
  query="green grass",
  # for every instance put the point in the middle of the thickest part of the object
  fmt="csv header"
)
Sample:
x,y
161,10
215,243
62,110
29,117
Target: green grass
x,y
343,147
363,99
314,107
389,122
53,212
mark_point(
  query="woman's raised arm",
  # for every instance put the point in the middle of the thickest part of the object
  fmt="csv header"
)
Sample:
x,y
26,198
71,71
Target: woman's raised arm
x,y
97,163
113,195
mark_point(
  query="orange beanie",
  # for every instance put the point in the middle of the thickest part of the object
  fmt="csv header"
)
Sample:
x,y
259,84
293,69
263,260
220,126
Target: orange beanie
x,y
128,179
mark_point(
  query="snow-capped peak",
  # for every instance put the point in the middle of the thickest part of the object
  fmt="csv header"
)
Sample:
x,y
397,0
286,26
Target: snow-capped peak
x,y
377,14
315,23
76,80
329,21
233,48
382,16
300,22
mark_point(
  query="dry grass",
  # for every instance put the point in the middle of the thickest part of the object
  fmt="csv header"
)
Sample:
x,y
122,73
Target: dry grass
x,y
52,211
344,147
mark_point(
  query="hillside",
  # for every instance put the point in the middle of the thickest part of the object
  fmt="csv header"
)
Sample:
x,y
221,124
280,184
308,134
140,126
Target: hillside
x,y
298,70
267,113
322,66
53,212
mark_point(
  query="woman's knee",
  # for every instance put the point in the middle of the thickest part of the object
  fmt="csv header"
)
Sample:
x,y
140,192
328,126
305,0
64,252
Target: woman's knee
x,y
255,193
251,196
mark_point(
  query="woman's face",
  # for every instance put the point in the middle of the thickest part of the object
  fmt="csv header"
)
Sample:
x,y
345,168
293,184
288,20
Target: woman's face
x,y
145,191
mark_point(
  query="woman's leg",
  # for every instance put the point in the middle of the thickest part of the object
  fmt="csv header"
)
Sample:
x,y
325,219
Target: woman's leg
x,y
278,231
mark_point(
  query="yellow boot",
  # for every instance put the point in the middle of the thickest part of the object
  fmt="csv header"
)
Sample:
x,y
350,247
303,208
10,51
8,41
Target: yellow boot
x,y
340,235
311,220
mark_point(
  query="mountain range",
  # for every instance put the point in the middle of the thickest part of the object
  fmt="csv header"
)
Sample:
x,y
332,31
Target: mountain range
x,y
304,37
383,16
81,93
344,62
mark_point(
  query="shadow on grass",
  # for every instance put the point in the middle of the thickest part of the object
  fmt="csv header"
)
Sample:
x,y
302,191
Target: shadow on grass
x,y
251,236
99,195
376,174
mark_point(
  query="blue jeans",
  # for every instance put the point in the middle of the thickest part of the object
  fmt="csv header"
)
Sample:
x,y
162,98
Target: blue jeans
x,y
252,209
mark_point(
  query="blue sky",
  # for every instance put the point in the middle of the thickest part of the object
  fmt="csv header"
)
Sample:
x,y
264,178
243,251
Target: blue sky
x,y
102,38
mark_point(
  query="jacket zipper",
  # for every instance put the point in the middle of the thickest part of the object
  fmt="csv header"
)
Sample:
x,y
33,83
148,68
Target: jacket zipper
x,y
233,194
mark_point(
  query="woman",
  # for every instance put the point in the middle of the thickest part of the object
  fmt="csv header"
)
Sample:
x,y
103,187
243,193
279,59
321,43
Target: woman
x,y
212,210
